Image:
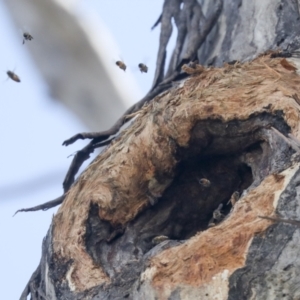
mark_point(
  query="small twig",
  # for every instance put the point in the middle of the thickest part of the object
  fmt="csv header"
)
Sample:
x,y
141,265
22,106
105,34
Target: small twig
x,y
78,160
157,22
80,157
44,206
293,222
83,136
72,154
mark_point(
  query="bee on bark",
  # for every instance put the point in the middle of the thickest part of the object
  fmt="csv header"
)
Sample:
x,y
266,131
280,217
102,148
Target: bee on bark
x,y
193,64
143,68
13,76
204,182
234,198
27,37
217,216
158,239
121,65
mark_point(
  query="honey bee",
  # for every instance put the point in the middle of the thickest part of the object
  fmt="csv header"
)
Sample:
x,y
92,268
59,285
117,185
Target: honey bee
x,y
143,68
27,37
217,216
192,64
204,182
121,65
13,76
234,198
158,239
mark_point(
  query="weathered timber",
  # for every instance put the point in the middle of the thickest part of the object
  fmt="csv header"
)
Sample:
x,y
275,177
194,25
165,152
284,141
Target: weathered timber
x,y
238,127
218,124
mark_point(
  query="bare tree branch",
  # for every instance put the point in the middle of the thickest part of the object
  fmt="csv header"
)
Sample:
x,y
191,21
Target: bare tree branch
x,y
44,206
157,22
80,157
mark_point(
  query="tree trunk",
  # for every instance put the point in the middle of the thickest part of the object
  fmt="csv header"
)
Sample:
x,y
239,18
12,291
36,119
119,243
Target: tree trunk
x,y
144,220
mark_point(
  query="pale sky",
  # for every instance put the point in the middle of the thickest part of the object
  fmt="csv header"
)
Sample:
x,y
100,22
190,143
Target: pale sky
x,y
33,126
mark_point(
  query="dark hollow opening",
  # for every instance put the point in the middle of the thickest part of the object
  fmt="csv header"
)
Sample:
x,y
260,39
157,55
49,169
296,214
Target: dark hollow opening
x,y
233,156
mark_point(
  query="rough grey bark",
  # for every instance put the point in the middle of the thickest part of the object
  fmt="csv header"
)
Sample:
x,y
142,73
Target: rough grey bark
x,y
238,153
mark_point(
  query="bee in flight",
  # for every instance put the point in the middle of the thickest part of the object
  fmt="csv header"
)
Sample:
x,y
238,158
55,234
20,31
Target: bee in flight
x,y
13,76
143,68
121,65
27,37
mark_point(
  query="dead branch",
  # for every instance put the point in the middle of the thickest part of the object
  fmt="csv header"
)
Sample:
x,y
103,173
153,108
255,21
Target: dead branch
x,y
80,157
157,22
44,206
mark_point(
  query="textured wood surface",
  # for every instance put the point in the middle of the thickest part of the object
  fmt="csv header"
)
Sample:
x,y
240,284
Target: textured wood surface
x,y
237,126
216,124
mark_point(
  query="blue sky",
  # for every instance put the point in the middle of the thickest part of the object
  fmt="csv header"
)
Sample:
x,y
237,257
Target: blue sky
x,y
33,126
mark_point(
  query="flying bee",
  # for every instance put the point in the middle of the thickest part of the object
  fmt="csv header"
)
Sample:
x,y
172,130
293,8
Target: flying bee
x,y
27,37
204,182
143,68
13,76
121,65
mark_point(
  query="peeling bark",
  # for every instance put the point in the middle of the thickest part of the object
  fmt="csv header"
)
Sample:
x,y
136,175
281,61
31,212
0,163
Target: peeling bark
x,y
137,224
